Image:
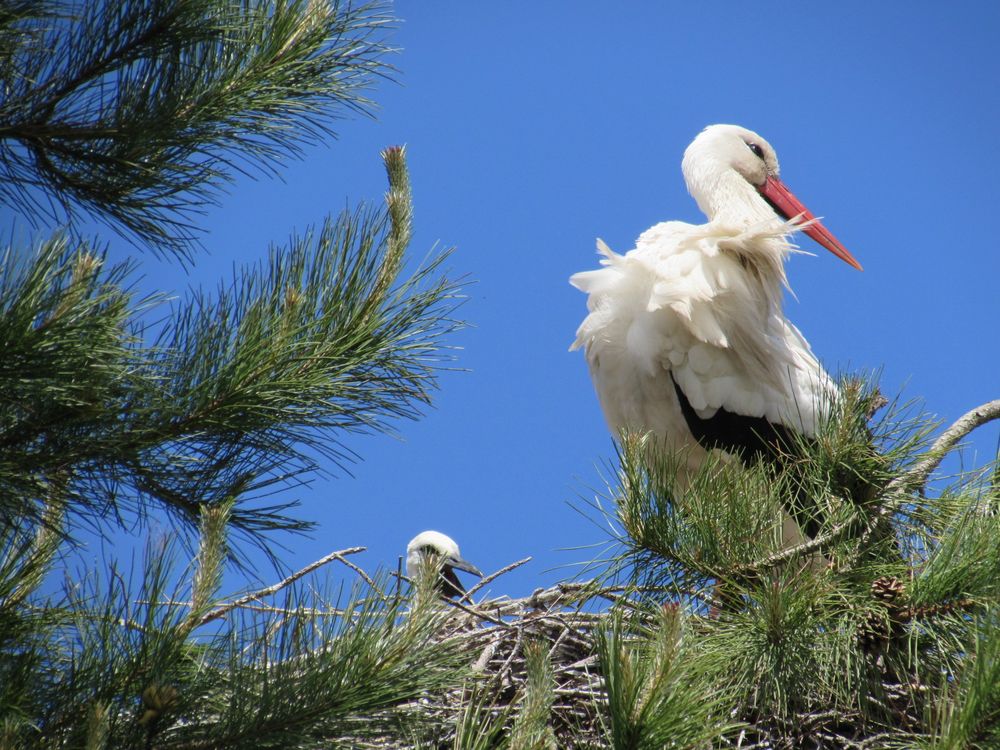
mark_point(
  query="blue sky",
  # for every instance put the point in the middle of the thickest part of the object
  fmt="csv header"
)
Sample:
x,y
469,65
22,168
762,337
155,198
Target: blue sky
x,y
533,128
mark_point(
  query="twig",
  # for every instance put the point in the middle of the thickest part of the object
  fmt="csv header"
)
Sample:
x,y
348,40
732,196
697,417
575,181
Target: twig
x,y
493,577
218,612
620,595
581,664
557,618
813,545
476,613
931,610
312,612
560,594
367,578
505,667
254,606
585,692
399,576
486,655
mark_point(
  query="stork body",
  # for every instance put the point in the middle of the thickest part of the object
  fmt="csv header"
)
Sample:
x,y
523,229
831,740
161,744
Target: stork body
x,y
435,546
686,338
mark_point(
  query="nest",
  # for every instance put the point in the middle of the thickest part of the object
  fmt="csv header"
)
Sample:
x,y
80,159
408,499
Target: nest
x,y
498,633
564,623
565,619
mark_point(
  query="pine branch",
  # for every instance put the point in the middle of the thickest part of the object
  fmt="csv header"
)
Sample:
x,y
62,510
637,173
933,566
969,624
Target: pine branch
x,y
241,391
657,693
967,713
915,479
68,369
138,112
800,551
899,491
305,673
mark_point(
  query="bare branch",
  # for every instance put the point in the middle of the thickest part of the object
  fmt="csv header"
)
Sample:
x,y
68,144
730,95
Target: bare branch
x,y
367,578
493,577
916,478
219,612
899,490
477,613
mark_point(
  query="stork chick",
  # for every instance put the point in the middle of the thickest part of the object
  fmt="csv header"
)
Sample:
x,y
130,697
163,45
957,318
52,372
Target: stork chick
x,y
433,546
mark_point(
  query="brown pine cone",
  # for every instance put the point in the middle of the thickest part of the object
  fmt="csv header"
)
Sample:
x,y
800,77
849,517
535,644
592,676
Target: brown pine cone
x,y
873,632
887,589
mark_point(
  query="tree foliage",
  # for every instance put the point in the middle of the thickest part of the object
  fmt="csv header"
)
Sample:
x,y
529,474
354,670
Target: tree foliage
x,y
707,630
238,390
139,111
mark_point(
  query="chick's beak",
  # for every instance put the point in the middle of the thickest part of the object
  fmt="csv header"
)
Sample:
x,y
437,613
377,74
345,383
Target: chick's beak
x,y
459,564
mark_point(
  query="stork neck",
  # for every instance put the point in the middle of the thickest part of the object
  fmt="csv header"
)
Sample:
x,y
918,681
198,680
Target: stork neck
x,y
728,199
732,203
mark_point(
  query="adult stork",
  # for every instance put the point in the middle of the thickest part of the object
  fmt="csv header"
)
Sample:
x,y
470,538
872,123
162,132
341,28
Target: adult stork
x,y
433,546
686,338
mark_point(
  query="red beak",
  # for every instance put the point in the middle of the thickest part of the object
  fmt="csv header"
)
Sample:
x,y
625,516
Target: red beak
x,y
786,204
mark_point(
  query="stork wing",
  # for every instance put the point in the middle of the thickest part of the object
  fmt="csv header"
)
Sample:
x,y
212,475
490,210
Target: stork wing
x,y
687,309
729,345
749,437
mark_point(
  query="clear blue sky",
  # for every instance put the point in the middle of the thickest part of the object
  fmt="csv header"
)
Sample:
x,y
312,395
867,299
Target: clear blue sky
x,y
533,128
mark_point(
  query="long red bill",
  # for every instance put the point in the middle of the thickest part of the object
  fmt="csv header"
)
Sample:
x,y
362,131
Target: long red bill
x,y
786,204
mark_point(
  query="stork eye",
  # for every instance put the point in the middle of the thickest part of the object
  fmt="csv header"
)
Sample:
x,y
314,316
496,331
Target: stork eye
x,y
757,150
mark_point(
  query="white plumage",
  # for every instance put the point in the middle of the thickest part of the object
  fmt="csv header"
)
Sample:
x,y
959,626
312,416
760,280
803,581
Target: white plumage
x,y
695,312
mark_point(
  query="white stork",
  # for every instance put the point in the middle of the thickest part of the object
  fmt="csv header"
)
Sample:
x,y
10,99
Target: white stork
x,y
433,545
686,339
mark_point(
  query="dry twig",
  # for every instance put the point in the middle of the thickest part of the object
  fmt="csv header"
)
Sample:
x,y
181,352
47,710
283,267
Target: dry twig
x,y
219,612
493,576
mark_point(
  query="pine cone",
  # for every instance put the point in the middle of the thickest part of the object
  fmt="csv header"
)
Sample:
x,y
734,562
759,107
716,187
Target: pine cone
x,y
887,589
878,626
873,632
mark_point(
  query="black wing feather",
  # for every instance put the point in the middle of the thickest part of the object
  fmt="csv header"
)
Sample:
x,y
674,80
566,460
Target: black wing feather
x,y
750,438
451,587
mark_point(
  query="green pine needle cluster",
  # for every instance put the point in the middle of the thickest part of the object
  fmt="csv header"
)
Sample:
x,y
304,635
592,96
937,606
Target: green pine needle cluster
x,y
659,687
136,112
871,629
711,630
114,671
240,390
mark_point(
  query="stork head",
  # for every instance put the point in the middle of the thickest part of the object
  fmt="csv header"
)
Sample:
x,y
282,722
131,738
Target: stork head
x,y
433,546
733,173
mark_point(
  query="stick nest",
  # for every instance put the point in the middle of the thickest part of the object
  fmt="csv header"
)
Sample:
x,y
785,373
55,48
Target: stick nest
x,y
564,619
